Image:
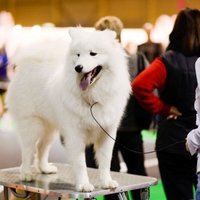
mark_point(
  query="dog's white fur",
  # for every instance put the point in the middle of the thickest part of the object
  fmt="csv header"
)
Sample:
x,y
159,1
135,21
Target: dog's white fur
x,y
45,96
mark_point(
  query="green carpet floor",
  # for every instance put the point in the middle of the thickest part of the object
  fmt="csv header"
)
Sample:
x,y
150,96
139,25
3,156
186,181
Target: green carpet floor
x,y
156,192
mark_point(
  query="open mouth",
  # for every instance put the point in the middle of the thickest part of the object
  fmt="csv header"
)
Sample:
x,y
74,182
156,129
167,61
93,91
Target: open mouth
x,y
88,78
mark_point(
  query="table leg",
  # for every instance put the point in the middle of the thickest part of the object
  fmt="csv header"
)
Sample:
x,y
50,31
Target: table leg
x,y
144,194
20,194
122,196
6,193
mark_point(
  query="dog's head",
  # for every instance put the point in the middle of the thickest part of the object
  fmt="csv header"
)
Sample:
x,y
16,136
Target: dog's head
x,y
90,51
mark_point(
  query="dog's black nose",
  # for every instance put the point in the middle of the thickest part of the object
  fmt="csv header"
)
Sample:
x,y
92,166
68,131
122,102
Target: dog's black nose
x,y
79,68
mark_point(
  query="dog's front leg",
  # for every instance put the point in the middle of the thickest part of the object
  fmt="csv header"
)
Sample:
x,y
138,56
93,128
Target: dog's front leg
x,y
104,156
81,175
76,156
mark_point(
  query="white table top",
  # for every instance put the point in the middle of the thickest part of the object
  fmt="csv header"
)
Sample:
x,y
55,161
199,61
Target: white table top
x,y
62,183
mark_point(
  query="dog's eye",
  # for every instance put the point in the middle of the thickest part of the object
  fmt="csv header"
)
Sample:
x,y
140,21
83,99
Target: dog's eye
x,y
78,54
93,53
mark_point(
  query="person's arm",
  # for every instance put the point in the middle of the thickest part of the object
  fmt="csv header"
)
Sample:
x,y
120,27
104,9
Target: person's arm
x,y
193,141
193,137
144,85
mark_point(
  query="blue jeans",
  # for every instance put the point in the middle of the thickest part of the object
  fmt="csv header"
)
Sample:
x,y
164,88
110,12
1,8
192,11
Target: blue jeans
x,y
198,188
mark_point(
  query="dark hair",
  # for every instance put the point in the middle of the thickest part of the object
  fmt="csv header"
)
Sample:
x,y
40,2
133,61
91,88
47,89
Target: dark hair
x,y
185,36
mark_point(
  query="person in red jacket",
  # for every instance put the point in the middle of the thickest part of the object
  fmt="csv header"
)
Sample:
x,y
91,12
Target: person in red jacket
x,y
173,75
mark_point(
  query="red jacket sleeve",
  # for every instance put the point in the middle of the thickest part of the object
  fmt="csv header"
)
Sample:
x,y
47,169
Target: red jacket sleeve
x,y
144,85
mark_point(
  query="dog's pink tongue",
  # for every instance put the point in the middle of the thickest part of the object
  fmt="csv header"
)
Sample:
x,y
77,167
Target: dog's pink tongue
x,y
85,81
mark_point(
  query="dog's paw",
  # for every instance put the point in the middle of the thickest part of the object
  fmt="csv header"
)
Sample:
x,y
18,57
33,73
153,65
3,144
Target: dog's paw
x,y
109,184
87,187
28,177
49,169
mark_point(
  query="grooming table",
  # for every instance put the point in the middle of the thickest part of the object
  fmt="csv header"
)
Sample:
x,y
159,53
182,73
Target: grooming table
x,y
61,185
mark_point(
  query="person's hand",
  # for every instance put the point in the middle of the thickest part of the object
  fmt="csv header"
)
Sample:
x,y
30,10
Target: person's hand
x,y
173,113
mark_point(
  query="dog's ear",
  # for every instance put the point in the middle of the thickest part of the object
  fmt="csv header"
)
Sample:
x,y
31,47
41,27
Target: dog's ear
x,y
111,34
75,32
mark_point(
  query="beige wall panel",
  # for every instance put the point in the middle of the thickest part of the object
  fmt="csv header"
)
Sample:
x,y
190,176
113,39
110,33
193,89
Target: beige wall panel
x,y
193,3
130,11
31,13
78,12
134,13
167,7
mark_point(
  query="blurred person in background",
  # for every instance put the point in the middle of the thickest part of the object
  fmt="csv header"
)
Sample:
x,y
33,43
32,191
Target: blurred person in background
x,y
173,74
150,49
135,119
6,25
3,77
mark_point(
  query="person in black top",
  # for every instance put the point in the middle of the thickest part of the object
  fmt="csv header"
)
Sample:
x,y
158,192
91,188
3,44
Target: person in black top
x,y
135,118
173,74
150,49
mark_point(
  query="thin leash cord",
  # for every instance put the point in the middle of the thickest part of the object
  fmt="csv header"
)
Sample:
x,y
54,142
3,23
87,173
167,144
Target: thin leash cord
x,y
124,147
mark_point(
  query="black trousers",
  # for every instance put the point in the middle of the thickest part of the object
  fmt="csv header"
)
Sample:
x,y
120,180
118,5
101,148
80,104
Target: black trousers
x,y
178,175
134,161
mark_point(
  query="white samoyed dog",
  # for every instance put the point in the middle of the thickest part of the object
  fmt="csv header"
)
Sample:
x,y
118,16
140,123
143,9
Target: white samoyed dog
x,y
53,91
